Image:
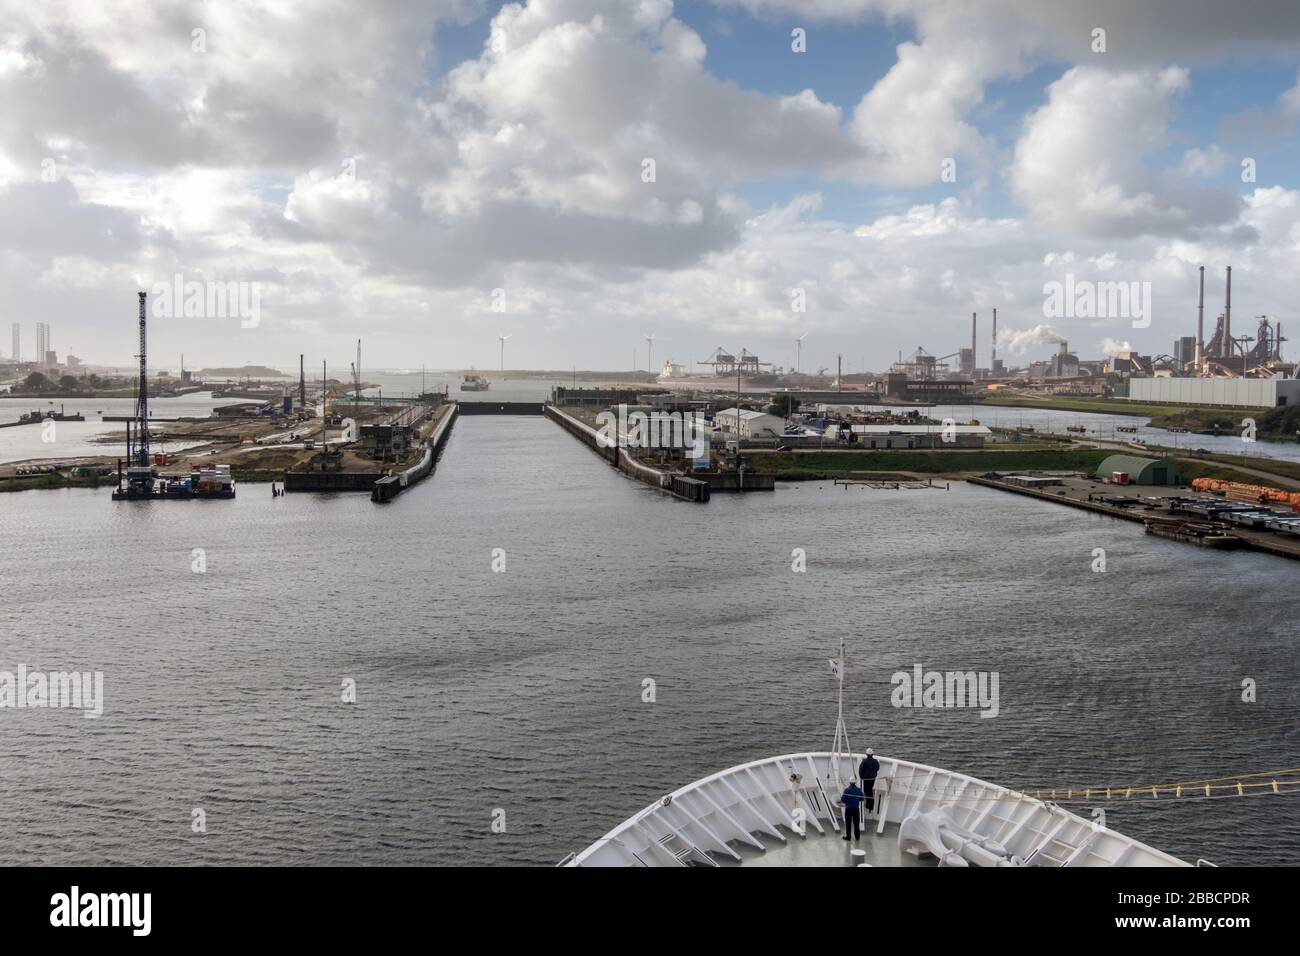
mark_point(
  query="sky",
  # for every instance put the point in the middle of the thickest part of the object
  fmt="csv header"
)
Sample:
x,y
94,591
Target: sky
x,y
580,174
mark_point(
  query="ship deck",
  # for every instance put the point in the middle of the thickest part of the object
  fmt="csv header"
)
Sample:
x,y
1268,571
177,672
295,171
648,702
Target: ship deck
x,y
783,811
831,849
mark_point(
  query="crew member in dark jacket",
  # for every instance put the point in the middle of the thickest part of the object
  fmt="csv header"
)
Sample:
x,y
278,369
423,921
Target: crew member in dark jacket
x,y
867,770
852,800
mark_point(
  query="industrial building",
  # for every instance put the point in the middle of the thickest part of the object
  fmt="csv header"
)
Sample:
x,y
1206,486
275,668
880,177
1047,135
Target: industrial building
x,y
1141,471
386,442
919,436
1227,392
673,403
937,391
751,424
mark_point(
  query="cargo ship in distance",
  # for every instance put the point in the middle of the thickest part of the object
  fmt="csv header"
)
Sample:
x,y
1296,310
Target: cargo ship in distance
x,y
473,382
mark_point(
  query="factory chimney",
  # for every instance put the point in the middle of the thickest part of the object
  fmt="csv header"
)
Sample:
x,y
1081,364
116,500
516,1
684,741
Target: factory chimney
x,y
302,384
1227,317
972,345
1200,324
993,355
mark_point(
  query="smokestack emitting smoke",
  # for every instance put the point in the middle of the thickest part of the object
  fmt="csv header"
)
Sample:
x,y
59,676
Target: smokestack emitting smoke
x,y
1018,342
1227,317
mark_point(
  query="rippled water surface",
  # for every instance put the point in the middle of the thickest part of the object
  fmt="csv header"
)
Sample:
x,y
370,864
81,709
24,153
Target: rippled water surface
x,y
522,690
78,439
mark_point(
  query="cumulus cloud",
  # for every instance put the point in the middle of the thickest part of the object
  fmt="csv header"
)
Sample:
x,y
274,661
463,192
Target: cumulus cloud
x,y
1204,162
323,149
961,48
1079,164
585,132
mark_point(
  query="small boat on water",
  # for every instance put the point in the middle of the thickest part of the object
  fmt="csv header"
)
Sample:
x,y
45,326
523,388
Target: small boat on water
x,y
473,382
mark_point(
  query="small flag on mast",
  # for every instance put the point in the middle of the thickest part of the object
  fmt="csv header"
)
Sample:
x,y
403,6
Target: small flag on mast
x,y
836,672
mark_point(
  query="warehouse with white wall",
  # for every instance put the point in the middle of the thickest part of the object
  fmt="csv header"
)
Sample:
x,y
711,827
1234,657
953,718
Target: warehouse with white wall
x,y
1227,392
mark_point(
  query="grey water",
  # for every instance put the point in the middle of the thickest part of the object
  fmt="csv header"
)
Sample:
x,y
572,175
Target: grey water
x,y
82,439
484,695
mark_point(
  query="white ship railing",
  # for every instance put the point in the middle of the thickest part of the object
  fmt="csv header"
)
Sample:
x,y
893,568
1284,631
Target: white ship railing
x,y
770,801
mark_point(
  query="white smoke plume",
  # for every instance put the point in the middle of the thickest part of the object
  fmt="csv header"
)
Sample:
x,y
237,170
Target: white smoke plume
x,y
1113,348
1019,342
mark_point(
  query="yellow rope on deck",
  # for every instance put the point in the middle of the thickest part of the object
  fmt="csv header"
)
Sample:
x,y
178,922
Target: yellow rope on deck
x,y
1282,781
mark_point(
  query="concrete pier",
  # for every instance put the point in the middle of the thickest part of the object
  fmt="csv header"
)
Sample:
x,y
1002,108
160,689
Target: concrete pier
x,y
389,487
679,486
583,432
367,480
1082,494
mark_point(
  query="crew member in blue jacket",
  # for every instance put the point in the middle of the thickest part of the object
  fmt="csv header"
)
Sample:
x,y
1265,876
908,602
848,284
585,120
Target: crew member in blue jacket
x,y
852,800
867,771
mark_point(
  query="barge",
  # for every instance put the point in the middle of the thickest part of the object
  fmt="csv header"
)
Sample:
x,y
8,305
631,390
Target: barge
x,y
1205,535
37,417
142,483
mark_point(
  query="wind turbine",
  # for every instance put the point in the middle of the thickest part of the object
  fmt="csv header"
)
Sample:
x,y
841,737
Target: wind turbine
x,y
503,350
649,352
798,363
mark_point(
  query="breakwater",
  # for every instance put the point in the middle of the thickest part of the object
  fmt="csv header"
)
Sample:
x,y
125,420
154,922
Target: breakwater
x,y
679,486
390,486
